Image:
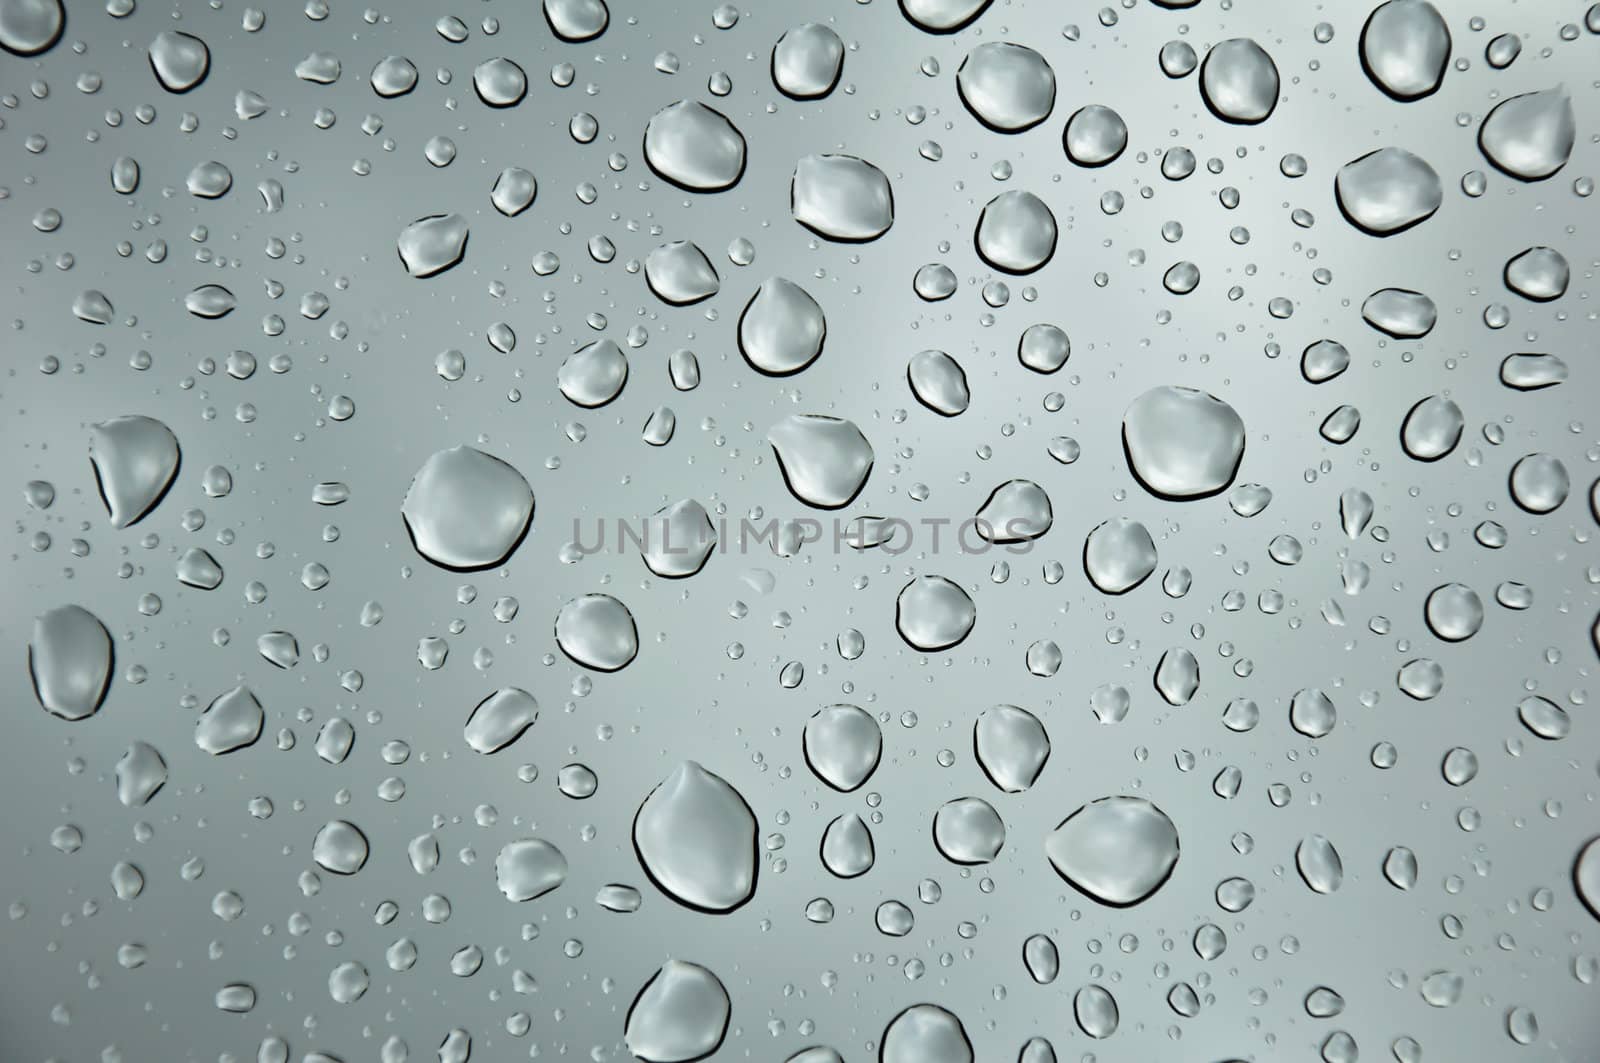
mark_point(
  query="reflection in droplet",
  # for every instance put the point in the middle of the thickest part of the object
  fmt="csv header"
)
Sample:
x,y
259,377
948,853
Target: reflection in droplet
x,y
680,1015
696,838
933,613
466,510
841,197
1116,850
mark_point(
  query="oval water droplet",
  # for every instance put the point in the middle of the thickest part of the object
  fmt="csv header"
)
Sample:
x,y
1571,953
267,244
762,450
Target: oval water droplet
x,y
466,510
28,27
694,147
925,1033
933,613
1388,191
69,660
340,847
1008,87
1399,312
1319,865
500,719
680,1015
1016,232
1432,428
968,831
1116,850
847,850
1405,47
1095,136
1239,81
825,461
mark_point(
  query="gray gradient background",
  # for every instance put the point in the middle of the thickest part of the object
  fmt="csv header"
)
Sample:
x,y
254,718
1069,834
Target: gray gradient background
x,y
684,697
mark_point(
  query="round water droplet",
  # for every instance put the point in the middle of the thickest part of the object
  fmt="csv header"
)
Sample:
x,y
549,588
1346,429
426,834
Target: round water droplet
x,y
842,745
1311,713
597,632
1432,428
968,831
694,147
1118,555
594,374
925,1033
807,61
499,82
678,540
1389,190
1044,348
1182,443
577,20
1095,135
1405,47
340,847
1454,612
1008,87
1239,81
28,27
1016,232
180,60
1540,483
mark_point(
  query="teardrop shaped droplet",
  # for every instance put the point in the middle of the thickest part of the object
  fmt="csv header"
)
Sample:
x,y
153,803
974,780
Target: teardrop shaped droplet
x,y
135,460
696,838
680,274
1319,864
842,745
825,461
1530,137
781,330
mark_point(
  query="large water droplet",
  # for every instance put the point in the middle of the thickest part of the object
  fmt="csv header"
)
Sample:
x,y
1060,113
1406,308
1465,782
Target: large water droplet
x,y
925,1033
696,838
69,659
1387,191
1016,232
843,745
679,273
678,540
499,82
694,147
1095,1010
1400,312
1117,850
680,1015
1011,747
1539,273
529,868
28,27
825,461
807,61
1182,443
135,460
1530,136
968,831
466,510
340,847
1118,555
1008,87
841,197
594,374
577,20
1454,612
934,613
1239,81
180,60
432,244
1017,511
1432,428
597,632
781,330
1095,135
942,16
1044,348
1319,864
500,719
1405,46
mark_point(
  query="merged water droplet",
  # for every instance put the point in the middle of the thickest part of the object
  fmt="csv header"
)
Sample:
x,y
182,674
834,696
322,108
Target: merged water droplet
x,y
69,660
1405,48
1116,850
1182,443
694,147
1239,81
1016,232
841,197
466,510
1118,555
696,839
1008,87
933,613
1530,137
807,61
135,460
1387,191
781,330
825,461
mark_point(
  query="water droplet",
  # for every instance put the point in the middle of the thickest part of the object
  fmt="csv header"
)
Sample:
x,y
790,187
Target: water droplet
x,y
825,461
694,147
340,847
1182,443
841,197
842,745
1016,232
1095,135
69,660
1539,273
847,850
925,1033
432,244
680,274
1239,81
1400,313
180,60
597,632
1387,191
529,868
696,838
500,719
1432,428
594,374
1118,555
1540,483
1116,850
1008,87
1017,511
680,1015
466,510
1319,865
807,61
933,613
1095,1010
968,831
28,27
1530,137
135,460
1405,47
781,330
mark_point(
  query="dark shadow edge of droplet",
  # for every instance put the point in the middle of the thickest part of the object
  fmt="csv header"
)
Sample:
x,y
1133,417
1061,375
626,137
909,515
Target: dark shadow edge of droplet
x,y
872,844
1006,131
644,865
939,649
1576,888
822,340
648,283
1206,99
1055,238
805,752
946,31
1400,97
527,526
